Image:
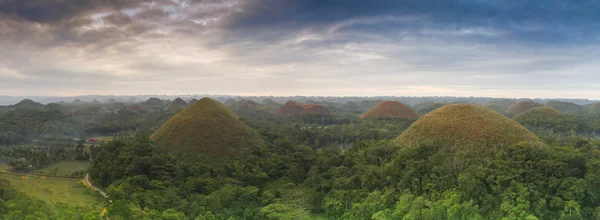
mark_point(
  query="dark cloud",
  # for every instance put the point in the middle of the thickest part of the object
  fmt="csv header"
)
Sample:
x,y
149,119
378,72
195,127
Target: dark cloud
x,y
546,21
50,11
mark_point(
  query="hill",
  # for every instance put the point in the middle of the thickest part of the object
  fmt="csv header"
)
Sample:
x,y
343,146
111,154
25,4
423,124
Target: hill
x,y
505,103
390,109
134,108
28,104
246,104
193,101
465,125
595,108
567,107
290,108
317,109
152,103
206,130
176,106
522,106
426,107
496,107
537,115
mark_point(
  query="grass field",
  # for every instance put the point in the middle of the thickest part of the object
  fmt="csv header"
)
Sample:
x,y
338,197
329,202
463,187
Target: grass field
x,y
53,190
68,168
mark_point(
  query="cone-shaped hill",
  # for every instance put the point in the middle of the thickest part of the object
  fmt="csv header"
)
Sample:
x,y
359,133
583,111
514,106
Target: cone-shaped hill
x,y
28,104
537,116
390,109
290,108
522,106
152,103
176,106
317,109
206,130
193,101
564,106
465,125
496,107
505,103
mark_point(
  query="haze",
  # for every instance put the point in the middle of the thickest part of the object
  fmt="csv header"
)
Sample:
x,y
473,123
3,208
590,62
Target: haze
x,y
313,47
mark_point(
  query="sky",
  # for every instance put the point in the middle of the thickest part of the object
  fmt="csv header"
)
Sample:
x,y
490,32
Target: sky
x,y
495,48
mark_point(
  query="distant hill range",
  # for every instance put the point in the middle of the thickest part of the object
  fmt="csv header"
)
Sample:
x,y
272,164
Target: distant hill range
x,y
11,100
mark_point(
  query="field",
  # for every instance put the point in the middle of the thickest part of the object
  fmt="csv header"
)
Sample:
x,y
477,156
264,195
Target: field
x,y
68,168
53,190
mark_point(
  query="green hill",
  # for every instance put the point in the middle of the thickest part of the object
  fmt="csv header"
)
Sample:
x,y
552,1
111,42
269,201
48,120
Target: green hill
x,y
28,104
537,116
152,103
206,130
496,107
521,107
465,124
543,119
505,103
176,106
193,101
426,107
390,109
566,107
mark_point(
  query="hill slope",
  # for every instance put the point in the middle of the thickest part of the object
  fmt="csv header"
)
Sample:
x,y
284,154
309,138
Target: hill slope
x,y
564,106
290,108
206,130
176,106
390,109
522,106
317,109
465,124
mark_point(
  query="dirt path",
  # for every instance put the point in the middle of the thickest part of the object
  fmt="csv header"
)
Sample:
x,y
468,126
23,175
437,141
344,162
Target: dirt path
x,y
87,180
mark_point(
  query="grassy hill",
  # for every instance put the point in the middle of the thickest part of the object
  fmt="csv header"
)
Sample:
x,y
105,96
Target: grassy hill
x,y
426,107
192,101
317,109
567,107
465,124
542,119
505,103
496,107
152,103
290,108
28,104
390,109
176,106
206,130
521,107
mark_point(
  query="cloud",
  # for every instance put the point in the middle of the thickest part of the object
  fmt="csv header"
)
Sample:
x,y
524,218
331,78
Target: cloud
x,y
313,47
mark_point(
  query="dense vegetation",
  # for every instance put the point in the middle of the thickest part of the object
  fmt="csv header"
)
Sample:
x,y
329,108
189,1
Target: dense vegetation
x,y
337,166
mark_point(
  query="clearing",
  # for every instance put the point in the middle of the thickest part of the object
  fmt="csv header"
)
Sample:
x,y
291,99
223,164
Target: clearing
x,y
66,168
52,190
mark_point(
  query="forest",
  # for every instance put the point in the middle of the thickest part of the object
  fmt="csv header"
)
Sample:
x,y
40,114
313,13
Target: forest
x,y
310,166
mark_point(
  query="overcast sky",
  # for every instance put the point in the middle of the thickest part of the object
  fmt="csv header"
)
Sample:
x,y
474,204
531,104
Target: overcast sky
x,y
497,48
